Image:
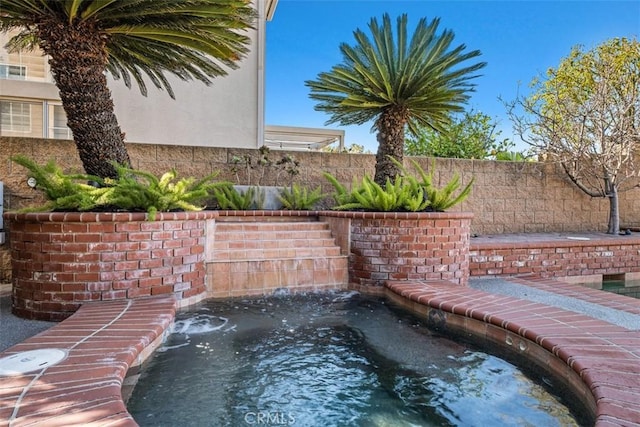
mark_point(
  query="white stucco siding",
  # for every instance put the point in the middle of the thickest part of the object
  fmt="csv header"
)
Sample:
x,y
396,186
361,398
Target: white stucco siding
x,y
221,115
227,113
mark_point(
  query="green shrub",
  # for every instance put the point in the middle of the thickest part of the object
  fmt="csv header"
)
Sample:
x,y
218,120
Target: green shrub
x,y
133,190
341,195
139,190
440,199
405,194
300,198
63,191
229,197
401,195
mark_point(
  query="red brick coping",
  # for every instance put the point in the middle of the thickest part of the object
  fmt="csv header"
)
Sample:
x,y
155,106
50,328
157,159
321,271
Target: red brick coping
x,y
103,341
554,254
599,361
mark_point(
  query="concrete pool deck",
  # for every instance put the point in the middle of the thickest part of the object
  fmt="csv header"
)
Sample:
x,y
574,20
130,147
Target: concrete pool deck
x,y
104,340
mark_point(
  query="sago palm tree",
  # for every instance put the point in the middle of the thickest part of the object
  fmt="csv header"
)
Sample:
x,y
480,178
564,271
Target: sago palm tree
x,y
398,83
191,39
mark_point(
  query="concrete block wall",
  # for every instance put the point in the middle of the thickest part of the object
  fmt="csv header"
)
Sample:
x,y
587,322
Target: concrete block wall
x,y
507,197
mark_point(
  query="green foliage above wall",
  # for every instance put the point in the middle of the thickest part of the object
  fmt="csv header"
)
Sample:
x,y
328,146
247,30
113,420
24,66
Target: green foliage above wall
x,y
132,190
405,194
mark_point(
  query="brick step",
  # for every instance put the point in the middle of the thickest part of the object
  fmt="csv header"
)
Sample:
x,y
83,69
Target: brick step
x,y
270,226
256,241
286,252
226,232
252,236
267,240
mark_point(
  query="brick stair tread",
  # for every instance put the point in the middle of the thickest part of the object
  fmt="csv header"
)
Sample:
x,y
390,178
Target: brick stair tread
x,y
270,226
272,235
280,253
298,258
227,245
267,241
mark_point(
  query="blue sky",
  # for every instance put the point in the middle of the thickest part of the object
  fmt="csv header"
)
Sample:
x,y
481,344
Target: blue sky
x,y
519,39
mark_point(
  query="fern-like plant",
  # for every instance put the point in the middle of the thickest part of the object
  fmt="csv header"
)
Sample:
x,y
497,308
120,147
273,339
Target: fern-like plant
x,y
341,195
300,198
63,191
132,190
139,190
406,192
229,197
400,195
440,199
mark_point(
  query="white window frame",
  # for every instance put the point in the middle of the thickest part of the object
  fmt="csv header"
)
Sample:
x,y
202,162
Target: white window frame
x,y
10,125
5,72
51,129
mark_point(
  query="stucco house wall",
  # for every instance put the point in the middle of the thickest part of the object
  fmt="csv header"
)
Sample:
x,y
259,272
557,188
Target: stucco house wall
x,y
229,112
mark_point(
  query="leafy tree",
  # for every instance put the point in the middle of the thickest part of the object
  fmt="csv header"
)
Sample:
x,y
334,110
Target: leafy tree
x,y
585,115
512,156
191,39
398,82
472,135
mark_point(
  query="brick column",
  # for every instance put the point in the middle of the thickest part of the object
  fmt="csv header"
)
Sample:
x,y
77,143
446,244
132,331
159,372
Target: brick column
x,y
407,246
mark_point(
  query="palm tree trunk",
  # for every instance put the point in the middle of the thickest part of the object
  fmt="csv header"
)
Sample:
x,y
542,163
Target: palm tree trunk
x,y
390,138
78,63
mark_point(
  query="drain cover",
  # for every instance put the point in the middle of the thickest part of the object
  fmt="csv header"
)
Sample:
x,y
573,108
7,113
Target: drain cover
x,y
32,360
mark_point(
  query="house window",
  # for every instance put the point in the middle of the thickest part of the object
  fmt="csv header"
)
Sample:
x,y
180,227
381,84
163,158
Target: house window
x,y
15,116
13,72
58,123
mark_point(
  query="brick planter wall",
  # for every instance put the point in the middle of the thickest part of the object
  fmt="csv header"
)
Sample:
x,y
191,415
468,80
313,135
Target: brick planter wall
x,y
407,246
61,260
597,255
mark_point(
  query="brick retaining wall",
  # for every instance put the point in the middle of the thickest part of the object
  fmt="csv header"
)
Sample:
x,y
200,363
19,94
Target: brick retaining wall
x,y
62,260
405,246
597,255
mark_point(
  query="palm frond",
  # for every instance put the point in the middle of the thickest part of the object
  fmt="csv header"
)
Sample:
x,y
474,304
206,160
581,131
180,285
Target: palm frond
x,y
422,72
191,39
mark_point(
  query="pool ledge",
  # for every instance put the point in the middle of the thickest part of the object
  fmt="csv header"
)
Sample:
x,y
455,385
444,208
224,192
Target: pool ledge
x,y
103,341
598,361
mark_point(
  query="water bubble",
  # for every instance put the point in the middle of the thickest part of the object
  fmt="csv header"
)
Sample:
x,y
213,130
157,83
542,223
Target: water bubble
x,y
199,324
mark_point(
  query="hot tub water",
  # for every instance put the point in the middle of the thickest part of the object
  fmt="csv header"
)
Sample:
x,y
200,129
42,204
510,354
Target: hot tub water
x,y
336,359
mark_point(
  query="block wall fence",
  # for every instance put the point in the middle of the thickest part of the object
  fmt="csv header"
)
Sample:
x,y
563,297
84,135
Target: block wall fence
x,y
507,197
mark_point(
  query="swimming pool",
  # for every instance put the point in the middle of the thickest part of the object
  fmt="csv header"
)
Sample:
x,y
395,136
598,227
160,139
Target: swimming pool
x,y
330,360
629,288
